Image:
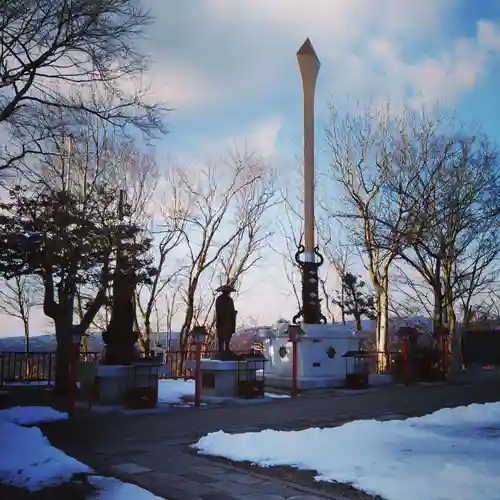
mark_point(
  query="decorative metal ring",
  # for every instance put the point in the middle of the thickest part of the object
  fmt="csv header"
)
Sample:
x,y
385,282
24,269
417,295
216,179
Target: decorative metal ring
x,y
299,252
321,258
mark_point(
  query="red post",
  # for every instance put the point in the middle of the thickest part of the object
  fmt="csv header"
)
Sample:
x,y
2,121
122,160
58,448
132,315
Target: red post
x,y
197,382
405,357
72,394
294,367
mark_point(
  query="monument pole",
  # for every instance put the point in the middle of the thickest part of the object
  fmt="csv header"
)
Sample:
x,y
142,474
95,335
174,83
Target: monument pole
x,y
311,309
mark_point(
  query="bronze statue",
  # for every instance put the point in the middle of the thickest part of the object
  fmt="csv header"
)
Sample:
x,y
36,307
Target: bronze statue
x,y
225,318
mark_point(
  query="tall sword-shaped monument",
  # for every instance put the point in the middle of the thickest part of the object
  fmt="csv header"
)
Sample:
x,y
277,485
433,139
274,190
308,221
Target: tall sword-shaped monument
x,y
311,308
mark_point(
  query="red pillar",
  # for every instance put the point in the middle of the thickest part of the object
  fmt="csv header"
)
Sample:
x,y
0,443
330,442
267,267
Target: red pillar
x,y
405,357
294,368
72,394
197,383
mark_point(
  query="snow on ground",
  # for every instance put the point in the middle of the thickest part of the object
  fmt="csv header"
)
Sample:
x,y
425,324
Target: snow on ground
x,y
27,383
451,454
31,415
173,390
109,488
28,460
276,396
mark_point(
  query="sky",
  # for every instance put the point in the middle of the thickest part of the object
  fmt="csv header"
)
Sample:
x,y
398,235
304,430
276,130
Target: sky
x,y
228,69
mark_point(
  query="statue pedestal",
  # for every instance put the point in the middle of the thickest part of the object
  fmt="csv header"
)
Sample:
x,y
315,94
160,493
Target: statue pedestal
x,y
231,379
121,384
319,356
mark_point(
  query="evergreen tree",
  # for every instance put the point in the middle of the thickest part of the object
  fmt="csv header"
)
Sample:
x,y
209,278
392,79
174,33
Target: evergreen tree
x,y
354,300
68,243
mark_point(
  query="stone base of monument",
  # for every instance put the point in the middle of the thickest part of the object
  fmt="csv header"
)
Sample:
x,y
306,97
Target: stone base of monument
x,y
232,379
320,350
304,383
134,386
380,379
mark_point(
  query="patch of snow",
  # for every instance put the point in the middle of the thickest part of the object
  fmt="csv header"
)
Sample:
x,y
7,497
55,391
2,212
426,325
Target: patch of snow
x,y
27,383
109,488
272,395
31,415
28,459
451,454
172,391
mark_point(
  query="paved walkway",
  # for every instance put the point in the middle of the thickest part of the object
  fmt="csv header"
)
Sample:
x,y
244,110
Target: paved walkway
x,y
153,450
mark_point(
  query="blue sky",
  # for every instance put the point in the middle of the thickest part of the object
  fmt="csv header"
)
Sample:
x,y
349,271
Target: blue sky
x,y
228,67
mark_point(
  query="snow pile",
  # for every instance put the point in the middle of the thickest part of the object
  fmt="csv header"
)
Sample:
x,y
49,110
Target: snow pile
x,y
172,391
273,395
31,415
109,488
28,460
451,454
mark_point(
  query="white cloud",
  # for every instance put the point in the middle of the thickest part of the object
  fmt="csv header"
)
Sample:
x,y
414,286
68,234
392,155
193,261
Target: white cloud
x,y
456,71
182,86
261,137
247,50
488,35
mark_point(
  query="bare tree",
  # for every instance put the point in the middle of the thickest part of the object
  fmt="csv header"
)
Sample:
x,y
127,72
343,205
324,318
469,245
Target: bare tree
x,y
222,207
412,295
289,229
53,51
147,296
457,243
338,256
172,306
362,152
19,296
477,271
73,218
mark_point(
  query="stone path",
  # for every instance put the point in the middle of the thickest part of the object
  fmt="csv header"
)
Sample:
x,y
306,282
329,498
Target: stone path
x,y
153,450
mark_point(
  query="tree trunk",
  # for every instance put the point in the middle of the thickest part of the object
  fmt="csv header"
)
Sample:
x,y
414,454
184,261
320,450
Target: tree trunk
x,y
63,326
27,346
383,326
342,299
357,317
184,334
437,315
454,344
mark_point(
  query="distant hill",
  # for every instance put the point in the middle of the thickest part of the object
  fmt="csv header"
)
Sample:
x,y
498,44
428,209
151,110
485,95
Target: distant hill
x,y
243,340
47,343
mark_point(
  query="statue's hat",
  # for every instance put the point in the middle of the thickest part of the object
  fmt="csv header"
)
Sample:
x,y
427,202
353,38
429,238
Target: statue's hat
x,y
226,288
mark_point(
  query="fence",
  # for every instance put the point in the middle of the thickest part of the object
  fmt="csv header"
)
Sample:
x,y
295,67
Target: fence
x,y
22,367
18,367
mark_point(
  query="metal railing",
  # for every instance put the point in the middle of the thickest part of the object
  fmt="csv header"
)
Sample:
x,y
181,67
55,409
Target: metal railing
x,y
18,367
